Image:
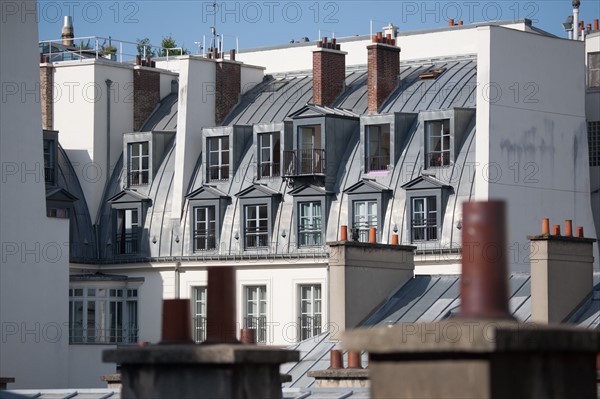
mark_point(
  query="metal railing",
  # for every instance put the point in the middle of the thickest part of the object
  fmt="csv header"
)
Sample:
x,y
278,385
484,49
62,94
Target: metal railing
x,y
49,175
269,169
377,163
139,178
91,335
199,329
204,240
436,159
309,326
218,173
259,324
424,230
309,236
127,244
256,237
304,162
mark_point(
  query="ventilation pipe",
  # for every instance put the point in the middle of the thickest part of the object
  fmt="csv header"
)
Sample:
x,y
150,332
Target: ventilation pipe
x,y
67,33
576,4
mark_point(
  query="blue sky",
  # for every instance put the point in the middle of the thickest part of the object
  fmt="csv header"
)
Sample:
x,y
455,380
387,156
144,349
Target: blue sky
x,y
263,23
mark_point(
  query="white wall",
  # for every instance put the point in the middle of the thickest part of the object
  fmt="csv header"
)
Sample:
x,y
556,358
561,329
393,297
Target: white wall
x,y
538,153
250,77
34,264
86,366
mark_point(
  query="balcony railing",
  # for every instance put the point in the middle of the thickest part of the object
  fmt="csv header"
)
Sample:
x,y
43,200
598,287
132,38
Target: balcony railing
x,y
424,230
437,159
138,178
49,175
256,237
204,240
377,163
309,326
91,335
127,244
199,329
304,162
259,324
269,169
218,173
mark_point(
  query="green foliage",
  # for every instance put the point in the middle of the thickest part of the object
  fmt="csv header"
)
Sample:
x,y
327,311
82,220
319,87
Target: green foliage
x,y
84,46
168,45
145,42
109,50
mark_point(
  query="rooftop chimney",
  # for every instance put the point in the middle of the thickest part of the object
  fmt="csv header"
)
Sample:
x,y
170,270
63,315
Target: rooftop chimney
x,y
576,19
384,68
228,87
329,72
67,31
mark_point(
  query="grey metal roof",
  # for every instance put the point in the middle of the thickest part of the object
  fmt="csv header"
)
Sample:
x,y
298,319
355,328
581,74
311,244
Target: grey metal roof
x,y
428,298
61,394
164,118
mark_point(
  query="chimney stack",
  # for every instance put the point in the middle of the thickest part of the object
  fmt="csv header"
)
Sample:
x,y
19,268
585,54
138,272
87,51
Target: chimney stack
x,y
384,68
228,88
329,72
67,33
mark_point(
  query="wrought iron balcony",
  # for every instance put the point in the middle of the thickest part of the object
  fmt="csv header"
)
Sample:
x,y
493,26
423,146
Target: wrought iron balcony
x,y
127,244
306,162
259,324
424,229
309,326
138,178
437,159
376,163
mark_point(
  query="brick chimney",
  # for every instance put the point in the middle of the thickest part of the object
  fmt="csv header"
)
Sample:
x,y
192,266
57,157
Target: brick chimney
x,y
146,94
47,94
384,68
329,72
228,88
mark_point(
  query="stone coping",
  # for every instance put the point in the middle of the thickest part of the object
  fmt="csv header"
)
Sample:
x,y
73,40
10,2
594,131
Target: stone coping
x,y
359,244
200,354
111,377
340,374
471,336
549,237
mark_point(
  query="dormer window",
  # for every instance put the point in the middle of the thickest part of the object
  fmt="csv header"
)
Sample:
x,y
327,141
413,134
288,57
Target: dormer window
x,y
258,206
269,154
424,220
49,161
139,163
377,149
204,228
256,226
128,231
218,158
367,201
437,151
309,156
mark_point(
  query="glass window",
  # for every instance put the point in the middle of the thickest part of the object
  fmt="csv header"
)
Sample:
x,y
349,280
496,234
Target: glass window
x,y
256,311
424,219
128,226
437,143
594,70
365,217
256,233
49,156
309,223
218,158
594,143
93,318
139,163
60,213
199,303
377,147
204,228
310,311
269,154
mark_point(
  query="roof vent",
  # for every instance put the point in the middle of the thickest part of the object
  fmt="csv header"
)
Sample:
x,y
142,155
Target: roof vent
x,y
432,74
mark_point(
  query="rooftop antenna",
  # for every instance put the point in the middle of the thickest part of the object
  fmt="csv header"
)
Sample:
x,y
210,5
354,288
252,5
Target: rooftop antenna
x,y
214,27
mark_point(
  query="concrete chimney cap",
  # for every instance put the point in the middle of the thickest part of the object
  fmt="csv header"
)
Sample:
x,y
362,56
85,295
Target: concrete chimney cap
x,y
576,3
67,21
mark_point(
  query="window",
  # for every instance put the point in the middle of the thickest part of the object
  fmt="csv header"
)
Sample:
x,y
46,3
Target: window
x,y
256,228
594,70
437,152
310,311
103,315
199,298
269,155
377,148
218,158
60,213
128,226
424,219
365,217
594,142
309,224
49,155
139,163
311,153
204,228
256,311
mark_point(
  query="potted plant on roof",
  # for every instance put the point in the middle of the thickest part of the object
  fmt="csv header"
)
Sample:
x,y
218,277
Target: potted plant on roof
x,y
110,52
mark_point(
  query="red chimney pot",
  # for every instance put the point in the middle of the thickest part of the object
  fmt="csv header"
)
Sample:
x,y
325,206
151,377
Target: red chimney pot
x,y
343,233
335,359
556,230
545,226
580,232
568,228
354,360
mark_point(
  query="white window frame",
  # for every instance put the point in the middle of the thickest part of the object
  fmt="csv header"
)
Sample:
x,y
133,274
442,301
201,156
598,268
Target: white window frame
x,y
207,227
270,167
256,296
140,152
314,226
199,295
363,222
438,132
374,159
310,322
218,145
128,224
426,220
260,232
593,73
